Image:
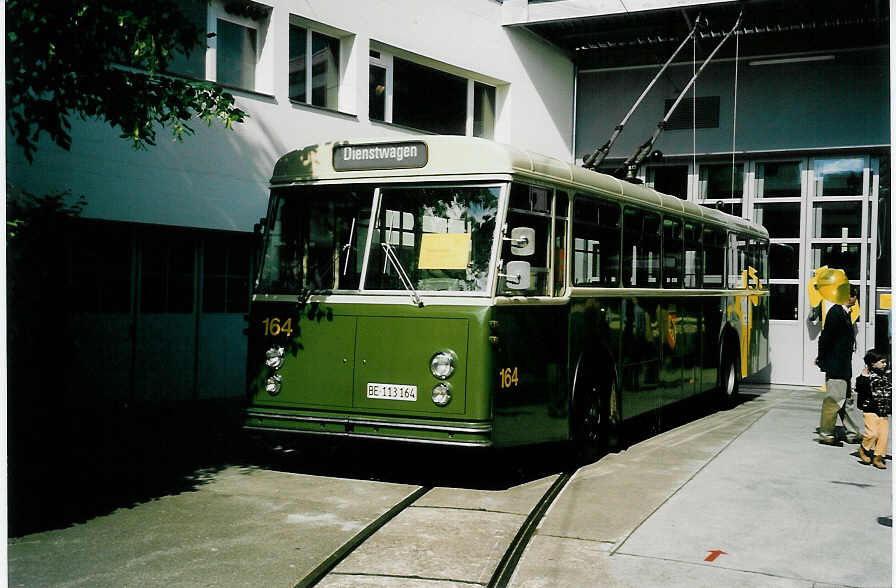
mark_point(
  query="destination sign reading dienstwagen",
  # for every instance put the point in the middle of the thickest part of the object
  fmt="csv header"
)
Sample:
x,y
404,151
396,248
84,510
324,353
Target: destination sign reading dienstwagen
x,y
380,156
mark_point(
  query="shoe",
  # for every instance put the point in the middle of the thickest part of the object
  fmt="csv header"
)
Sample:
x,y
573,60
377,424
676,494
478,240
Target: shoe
x,y
878,462
863,455
830,441
854,440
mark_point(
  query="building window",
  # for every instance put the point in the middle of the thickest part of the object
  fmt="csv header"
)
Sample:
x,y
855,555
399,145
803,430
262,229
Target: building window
x,y
841,176
407,93
192,65
429,99
782,219
784,302
167,270
236,55
779,179
483,110
101,269
669,179
721,186
225,285
313,63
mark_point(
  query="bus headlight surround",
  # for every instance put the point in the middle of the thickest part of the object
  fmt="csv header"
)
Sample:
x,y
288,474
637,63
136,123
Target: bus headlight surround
x,y
441,394
442,364
273,384
273,358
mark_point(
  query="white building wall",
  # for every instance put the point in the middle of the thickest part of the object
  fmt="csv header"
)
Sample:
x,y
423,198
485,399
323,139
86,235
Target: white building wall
x,y
217,178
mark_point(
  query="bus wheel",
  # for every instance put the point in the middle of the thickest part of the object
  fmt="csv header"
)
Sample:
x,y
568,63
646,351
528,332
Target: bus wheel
x,y
596,414
728,381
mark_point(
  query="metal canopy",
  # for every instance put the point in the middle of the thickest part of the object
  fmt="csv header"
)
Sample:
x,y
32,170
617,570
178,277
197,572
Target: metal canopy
x,y
770,27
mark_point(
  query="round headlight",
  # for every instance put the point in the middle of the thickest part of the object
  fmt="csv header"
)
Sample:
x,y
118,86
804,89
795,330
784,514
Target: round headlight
x,y
442,364
441,394
273,358
273,384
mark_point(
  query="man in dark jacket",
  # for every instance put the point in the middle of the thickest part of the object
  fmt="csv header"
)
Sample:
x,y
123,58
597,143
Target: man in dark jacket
x,y
835,347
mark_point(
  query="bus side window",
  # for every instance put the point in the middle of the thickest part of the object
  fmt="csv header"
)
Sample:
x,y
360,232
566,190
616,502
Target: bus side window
x,y
595,243
641,249
757,258
672,250
530,206
693,276
713,258
737,259
561,212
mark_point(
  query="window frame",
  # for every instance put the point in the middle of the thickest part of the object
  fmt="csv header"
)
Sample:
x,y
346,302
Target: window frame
x,y
385,58
343,40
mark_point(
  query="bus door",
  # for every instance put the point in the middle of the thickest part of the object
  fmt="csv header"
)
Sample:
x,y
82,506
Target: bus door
x,y
529,326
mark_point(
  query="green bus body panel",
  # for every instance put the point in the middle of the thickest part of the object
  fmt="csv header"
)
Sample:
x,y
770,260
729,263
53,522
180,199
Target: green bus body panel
x,y
317,368
335,350
397,350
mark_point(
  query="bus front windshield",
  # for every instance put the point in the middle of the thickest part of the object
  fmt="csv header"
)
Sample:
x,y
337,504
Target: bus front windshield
x,y
440,237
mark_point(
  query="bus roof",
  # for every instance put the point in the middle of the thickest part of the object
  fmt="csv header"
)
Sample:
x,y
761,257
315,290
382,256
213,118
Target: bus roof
x,y
440,157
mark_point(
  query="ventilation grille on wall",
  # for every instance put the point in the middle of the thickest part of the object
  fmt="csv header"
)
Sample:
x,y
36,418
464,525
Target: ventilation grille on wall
x,y
707,115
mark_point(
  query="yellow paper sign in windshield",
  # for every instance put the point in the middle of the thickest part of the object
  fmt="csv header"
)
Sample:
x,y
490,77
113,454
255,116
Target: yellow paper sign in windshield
x,y
444,251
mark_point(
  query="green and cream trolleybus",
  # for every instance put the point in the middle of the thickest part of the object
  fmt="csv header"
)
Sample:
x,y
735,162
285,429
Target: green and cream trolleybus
x,y
458,291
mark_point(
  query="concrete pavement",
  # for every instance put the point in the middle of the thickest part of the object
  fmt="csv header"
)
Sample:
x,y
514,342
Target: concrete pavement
x,y
743,497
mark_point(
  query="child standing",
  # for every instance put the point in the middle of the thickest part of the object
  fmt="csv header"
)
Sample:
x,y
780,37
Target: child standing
x,y
873,395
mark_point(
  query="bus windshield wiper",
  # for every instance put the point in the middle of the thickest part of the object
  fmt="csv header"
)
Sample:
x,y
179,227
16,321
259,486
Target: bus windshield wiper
x,y
402,275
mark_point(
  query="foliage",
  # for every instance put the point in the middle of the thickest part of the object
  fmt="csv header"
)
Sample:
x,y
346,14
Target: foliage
x,y
104,59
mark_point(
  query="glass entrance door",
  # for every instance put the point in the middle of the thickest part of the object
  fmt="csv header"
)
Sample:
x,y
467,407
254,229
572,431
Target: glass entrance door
x,y
838,213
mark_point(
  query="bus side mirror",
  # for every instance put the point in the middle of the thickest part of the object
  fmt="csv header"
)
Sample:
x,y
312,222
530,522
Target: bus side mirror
x,y
518,275
522,241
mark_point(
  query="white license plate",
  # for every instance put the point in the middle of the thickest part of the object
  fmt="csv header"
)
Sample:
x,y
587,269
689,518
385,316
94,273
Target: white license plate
x,y
391,391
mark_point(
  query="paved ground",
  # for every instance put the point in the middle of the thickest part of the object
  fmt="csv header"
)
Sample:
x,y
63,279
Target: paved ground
x,y
747,485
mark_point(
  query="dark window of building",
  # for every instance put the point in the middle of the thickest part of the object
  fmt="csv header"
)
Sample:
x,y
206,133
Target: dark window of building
x,y
225,286
721,181
596,243
784,260
684,117
782,219
779,179
783,302
324,64
669,179
101,269
236,55
193,64
377,92
167,271
429,99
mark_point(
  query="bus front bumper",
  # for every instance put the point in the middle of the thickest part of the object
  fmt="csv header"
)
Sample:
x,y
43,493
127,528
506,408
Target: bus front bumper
x,y
464,434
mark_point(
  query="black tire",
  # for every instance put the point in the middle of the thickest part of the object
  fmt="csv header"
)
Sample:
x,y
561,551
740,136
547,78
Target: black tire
x,y
729,380
595,412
